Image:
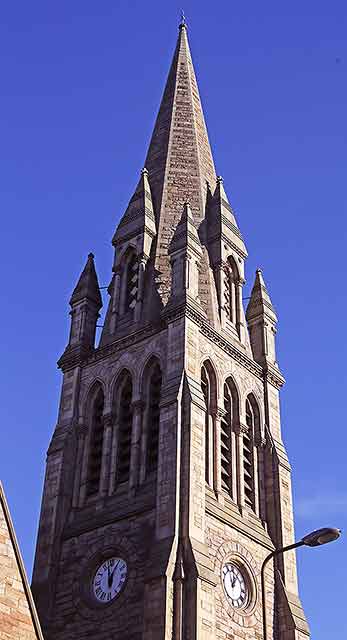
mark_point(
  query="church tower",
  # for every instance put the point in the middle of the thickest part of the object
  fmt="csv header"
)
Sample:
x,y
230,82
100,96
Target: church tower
x,y
167,481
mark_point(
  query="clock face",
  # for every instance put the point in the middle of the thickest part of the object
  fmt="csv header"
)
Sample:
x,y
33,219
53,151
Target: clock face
x,y
235,585
109,579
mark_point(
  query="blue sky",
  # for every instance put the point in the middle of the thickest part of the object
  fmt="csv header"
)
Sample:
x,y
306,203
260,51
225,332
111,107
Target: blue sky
x,y
80,86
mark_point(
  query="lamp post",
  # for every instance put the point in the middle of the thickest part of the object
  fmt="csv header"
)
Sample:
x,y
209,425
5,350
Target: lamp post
x,y
313,539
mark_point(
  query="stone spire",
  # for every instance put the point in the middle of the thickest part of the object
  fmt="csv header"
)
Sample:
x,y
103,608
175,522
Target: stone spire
x,y
179,158
261,318
85,303
87,287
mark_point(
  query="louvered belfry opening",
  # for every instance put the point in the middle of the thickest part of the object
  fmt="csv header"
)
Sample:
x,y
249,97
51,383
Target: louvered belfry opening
x,y
231,291
248,462
95,446
225,441
124,423
131,284
205,386
153,419
228,295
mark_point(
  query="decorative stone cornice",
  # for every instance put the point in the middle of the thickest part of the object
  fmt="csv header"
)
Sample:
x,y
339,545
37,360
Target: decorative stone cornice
x,y
170,314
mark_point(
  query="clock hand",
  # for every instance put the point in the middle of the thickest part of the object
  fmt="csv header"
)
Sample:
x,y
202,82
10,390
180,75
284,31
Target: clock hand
x,y
112,574
109,578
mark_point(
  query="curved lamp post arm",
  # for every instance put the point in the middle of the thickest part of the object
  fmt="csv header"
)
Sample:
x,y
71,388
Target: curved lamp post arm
x,y
271,555
313,539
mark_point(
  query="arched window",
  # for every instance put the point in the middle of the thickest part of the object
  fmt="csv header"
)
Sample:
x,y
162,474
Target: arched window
x,y
95,443
231,292
153,393
130,281
124,428
252,422
208,387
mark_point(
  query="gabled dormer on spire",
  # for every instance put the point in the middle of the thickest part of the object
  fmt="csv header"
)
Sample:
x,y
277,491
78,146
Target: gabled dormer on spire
x,y
262,320
185,253
132,242
227,254
85,303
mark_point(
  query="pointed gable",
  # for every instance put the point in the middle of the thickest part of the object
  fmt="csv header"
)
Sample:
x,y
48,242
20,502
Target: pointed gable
x,y
260,303
222,222
138,219
186,237
87,286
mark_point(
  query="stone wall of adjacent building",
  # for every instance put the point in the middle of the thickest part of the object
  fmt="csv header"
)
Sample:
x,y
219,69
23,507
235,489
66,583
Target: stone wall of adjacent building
x,y
18,619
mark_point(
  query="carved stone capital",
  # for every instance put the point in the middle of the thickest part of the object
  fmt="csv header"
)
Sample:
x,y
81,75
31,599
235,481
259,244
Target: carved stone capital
x,y
260,441
81,429
137,406
107,419
241,428
218,413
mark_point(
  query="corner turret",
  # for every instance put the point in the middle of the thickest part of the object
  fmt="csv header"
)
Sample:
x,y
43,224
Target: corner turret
x,y
85,303
227,253
262,320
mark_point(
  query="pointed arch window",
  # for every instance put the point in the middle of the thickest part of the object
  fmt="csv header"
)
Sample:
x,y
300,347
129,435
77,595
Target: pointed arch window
x,y
153,394
96,442
124,429
231,292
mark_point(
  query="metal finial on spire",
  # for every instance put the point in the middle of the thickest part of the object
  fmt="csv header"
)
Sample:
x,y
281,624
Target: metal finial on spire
x,y
183,19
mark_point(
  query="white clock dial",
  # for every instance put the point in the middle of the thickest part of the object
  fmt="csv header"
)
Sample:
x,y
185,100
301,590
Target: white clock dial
x,y
235,585
109,579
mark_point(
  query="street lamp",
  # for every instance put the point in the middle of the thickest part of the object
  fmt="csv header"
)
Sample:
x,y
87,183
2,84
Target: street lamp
x,y
313,539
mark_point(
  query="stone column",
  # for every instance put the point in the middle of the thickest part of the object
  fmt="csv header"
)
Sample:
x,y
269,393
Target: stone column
x,y
113,455
256,468
115,301
220,272
142,261
106,454
209,453
84,468
81,437
178,579
240,313
135,451
261,444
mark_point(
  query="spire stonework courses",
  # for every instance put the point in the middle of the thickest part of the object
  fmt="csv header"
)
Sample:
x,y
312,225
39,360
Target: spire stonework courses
x,y
167,480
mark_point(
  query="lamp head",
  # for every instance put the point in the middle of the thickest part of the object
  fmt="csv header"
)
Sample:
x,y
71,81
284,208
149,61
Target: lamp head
x,y
321,536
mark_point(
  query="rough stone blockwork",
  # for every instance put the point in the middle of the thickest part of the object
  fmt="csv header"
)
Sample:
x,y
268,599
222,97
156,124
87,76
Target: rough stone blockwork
x,y
18,618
